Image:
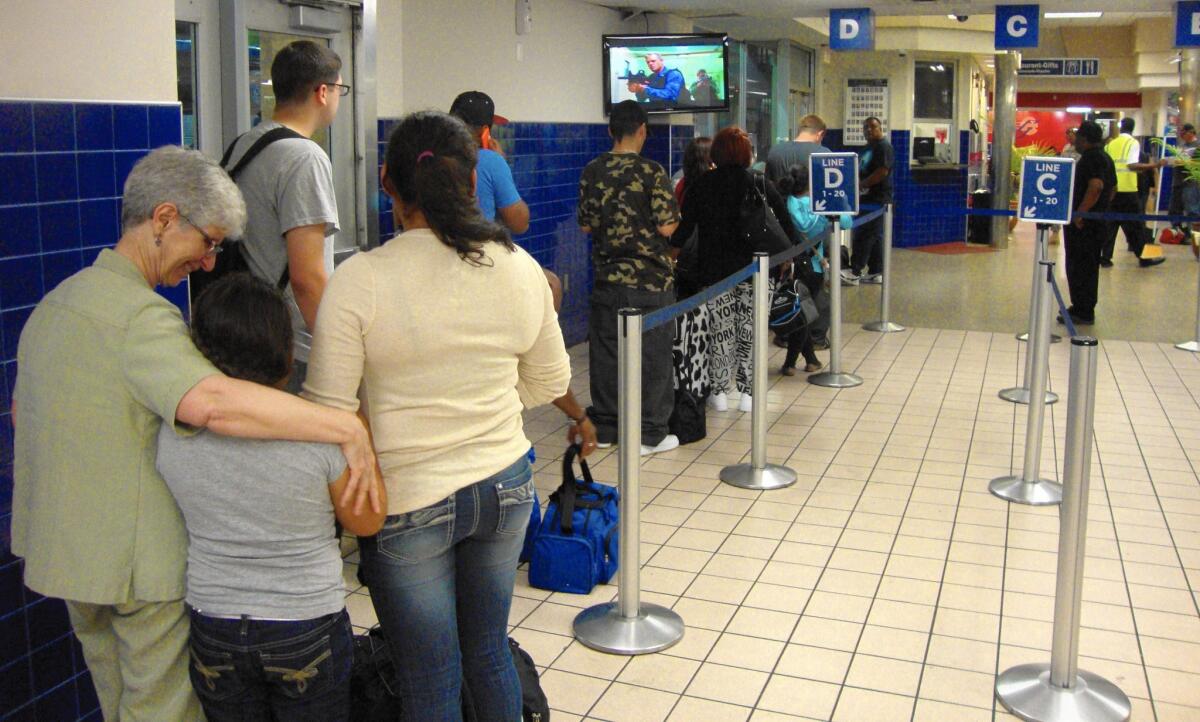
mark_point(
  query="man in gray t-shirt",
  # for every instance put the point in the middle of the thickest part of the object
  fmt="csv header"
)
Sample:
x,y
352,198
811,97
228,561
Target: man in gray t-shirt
x,y
783,156
290,200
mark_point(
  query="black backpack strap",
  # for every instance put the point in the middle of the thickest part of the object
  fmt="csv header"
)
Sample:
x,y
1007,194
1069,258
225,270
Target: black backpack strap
x,y
259,145
251,153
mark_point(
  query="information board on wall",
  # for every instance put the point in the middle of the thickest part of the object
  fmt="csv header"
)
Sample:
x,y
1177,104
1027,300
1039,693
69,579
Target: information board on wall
x,y
1060,67
865,97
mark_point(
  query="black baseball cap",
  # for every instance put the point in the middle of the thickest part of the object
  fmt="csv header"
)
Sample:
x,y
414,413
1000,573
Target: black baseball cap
x,y
476,108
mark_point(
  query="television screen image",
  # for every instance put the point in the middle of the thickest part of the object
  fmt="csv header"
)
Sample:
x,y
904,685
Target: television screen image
x,y
667,73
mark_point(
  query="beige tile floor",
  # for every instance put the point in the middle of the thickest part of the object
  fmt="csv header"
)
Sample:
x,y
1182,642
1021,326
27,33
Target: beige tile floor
x,y
887,584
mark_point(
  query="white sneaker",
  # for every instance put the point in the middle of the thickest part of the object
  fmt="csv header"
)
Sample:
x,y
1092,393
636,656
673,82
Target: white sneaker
x,y
603,445
849,278
670,441
746,403
872,278
718,402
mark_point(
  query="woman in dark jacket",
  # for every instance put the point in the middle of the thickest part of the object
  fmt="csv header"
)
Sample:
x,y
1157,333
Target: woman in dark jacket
x,y
713,207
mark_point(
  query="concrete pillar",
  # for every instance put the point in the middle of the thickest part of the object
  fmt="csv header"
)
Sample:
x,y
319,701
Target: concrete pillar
x,y
1189,86
1003,135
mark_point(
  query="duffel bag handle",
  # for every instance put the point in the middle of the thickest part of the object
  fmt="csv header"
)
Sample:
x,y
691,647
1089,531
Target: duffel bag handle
x,y
569,488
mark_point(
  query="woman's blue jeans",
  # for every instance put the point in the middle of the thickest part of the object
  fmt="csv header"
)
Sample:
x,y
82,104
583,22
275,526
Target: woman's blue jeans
x,y
441,581
257,669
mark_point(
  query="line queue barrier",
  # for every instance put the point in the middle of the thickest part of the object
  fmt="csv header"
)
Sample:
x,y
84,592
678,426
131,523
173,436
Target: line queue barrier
x,y
1034,692
628,625
1035,362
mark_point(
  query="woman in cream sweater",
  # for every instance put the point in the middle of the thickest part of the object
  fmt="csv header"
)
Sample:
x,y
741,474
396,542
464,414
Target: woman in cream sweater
x,y
450,331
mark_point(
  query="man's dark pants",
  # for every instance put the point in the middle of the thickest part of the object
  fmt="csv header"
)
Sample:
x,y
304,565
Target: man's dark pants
x,y
866,247
658,392
1135,231
1082,246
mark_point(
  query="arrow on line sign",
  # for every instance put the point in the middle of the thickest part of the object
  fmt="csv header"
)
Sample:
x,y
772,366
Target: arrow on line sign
x,y
819,205
1031,210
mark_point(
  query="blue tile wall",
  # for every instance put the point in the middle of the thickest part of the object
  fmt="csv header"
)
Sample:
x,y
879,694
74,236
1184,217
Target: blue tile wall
x,y
910,226
62,167
547,160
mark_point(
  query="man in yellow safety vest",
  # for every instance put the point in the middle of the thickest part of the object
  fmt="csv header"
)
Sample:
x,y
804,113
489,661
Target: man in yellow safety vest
x,y
1125,151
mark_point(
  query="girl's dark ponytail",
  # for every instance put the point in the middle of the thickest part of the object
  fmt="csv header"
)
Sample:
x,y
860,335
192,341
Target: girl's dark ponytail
x,y
430,161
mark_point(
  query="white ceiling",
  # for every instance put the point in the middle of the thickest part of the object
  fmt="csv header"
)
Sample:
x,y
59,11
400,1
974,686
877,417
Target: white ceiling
x,y
820,8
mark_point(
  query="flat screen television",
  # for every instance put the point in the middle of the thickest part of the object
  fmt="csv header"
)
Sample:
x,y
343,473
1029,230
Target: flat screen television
x,y
667,73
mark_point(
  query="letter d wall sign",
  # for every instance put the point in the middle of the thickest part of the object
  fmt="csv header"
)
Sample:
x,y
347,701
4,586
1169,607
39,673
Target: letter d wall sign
x,y
852,29
1017,26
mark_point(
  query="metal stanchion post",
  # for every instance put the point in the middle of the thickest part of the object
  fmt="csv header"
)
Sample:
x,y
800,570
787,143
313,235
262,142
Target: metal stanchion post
x,y
884,325
1027,488
628,626
758,474
834,377
1039,255
1194,344
1021,394
1060,691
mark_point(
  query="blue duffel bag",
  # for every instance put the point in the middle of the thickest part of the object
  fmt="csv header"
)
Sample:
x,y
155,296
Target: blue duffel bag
x,y
576,544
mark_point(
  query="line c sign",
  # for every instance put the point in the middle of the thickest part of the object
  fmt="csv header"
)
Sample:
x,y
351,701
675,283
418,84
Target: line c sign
x,y
1017,26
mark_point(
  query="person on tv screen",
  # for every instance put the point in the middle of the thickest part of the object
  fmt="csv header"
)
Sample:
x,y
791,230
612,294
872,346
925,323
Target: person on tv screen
x,y
704,91
665,85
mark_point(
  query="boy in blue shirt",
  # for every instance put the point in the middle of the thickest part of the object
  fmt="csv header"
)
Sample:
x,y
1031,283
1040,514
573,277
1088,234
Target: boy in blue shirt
x,y
494,186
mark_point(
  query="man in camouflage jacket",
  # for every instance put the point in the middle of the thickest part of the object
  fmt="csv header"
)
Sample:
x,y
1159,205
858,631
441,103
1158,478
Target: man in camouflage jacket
x,y
626,203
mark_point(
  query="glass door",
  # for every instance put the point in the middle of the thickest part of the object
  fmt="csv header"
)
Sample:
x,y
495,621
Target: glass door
x,y
227,48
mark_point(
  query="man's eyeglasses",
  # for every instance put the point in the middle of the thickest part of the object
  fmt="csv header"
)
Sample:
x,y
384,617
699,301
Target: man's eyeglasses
x,y
214,246
343,90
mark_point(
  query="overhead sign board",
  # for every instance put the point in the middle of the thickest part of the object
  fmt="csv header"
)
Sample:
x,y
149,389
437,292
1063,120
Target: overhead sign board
x,y
1187,24
1017,26
1060,67
1047,187
833,178
852,29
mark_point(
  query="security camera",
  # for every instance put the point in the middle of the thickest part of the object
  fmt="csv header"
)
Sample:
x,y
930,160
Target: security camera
x,y
961,18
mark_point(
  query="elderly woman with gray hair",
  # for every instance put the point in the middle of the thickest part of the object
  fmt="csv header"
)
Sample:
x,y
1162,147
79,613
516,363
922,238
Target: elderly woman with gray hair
x,y
102,362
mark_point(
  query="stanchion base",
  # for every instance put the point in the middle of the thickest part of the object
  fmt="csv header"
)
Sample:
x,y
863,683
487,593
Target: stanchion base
x,y
745,476
1193,346
1020,395
833,380
883,327
1042,492
604,629
1054,338
1026,691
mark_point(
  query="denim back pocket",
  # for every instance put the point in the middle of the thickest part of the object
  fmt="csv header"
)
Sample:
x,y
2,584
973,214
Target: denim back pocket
x,y
416,536
213,674
515,499
310,668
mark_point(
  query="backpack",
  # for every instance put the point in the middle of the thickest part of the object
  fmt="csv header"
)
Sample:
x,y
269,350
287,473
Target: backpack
x,y
577,543
792,307
373,695
232,258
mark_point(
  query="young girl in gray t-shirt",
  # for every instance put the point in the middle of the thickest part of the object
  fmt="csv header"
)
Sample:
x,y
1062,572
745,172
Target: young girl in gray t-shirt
x,y
270,637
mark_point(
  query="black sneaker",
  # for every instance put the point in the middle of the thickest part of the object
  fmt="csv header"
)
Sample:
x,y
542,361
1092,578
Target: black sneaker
x,y
1105,263
1147,262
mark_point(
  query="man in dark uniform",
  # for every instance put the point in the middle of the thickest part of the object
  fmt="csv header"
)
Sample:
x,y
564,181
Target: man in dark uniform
x,y
627,204
1095,186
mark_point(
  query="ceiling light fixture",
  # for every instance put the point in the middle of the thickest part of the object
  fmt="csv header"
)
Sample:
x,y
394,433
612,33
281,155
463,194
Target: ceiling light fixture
x,y
1073,14
1079,109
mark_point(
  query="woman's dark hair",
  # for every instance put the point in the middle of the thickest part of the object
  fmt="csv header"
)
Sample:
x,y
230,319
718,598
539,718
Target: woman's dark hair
x,y
696,159
241,324
795,183
430,159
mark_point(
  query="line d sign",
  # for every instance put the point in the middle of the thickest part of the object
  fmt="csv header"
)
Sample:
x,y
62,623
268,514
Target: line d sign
x,y
1017,26
852,29
1187,24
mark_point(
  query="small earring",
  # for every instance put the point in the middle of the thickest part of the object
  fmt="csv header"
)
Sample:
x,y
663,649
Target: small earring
x,y
158,240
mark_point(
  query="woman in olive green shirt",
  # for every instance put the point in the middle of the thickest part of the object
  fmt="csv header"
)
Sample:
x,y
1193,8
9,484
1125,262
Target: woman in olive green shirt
x,y
102,362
